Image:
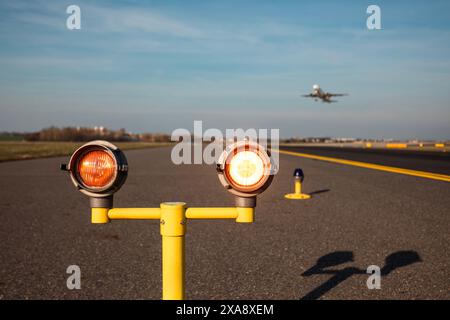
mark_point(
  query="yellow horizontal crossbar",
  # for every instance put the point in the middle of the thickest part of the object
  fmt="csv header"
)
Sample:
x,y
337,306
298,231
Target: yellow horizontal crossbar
x,y
422,174
211,213
241,214
134,213
191,213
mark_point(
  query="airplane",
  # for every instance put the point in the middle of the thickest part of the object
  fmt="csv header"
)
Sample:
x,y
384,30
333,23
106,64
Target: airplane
x,y
318,93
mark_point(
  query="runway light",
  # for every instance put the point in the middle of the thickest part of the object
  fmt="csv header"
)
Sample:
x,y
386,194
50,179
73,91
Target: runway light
x,y
298,174
98,168
245,169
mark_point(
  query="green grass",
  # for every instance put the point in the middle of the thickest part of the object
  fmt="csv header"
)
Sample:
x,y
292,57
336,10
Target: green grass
x,y
21,150
10,137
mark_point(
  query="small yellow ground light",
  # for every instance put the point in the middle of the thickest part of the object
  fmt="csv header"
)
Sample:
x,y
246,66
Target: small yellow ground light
x,y
298,195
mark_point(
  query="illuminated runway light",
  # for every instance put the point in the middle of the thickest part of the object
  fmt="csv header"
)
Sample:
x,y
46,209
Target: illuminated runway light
x,y
97,169
246,168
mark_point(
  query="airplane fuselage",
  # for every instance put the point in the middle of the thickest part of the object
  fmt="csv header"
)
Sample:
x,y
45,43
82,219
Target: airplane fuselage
x,y
321,95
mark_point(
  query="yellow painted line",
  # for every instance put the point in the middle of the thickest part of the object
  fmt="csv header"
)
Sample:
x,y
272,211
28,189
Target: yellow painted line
x,y
422,174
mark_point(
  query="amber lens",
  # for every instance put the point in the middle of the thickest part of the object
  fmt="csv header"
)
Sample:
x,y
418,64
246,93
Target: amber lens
x,y
97,169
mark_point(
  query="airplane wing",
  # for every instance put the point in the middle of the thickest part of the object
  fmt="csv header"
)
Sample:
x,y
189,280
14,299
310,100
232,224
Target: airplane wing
x,y
337,94
309,95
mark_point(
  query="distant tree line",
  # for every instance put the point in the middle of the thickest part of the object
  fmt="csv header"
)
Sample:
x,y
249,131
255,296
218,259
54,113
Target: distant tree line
x,y
11,136
87,134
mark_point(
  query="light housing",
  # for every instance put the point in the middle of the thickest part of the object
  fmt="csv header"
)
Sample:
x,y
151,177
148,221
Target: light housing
x,y
98,169
298,174
245,169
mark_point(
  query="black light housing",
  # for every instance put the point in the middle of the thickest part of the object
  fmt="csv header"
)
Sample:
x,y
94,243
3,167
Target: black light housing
x,y
298,174
98,169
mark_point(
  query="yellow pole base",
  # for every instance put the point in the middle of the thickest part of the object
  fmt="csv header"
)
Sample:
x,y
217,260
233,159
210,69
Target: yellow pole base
x,y
297,196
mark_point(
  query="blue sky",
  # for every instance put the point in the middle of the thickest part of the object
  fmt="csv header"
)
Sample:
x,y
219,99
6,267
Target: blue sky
x,y
160,65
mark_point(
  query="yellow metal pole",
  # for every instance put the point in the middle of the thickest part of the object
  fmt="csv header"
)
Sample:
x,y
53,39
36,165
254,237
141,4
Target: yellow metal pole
x,y
173,229
173,268
297,195
173,217
298,186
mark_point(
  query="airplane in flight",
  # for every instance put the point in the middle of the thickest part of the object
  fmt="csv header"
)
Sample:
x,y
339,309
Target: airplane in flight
x,y
318,93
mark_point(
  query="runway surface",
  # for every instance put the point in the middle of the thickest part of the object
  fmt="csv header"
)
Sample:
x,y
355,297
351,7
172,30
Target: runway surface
x,y
314,249
436,162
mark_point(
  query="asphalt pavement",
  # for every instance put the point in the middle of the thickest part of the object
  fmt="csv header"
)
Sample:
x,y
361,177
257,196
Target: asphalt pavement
x,y
428,161
311,249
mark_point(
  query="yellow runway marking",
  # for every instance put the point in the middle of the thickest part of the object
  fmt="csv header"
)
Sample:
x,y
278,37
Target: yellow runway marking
x,y
422,174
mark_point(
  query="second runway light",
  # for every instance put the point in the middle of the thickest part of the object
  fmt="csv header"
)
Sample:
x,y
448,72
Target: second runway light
x,y
299,176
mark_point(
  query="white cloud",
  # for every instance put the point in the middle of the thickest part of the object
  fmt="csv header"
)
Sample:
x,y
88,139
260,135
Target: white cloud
x,y
97,18
125,20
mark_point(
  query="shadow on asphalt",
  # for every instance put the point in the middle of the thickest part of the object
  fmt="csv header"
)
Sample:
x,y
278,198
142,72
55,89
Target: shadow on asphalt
x,y
318,192
393,261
